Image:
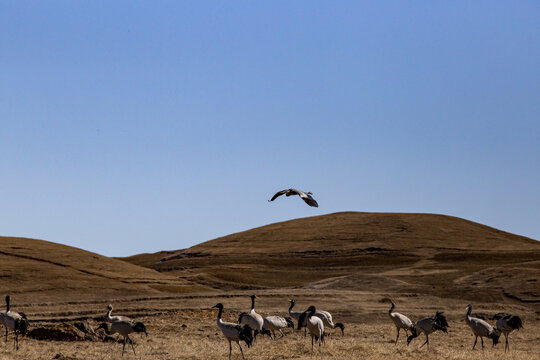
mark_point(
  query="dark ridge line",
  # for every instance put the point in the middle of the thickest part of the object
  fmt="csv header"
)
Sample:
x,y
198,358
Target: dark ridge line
x,y
99,318
169,297
514,297
61,265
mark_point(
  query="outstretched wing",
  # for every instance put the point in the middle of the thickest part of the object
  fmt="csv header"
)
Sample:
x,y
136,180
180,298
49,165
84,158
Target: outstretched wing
x,y
278,194
309,200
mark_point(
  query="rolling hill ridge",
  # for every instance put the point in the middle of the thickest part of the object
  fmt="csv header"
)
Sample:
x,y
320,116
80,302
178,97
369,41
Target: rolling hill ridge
x,y
430,254
37,270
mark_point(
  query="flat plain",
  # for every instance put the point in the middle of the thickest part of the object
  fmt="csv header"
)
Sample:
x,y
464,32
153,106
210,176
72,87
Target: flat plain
x,y
351,264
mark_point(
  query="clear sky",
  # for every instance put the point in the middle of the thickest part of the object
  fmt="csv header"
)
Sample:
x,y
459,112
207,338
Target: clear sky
x,y
139,126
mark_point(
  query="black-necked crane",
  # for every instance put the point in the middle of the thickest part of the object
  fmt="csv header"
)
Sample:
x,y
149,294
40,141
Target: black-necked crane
x,y
124,326
314,325
14,321
114,318
326,317
234,332
273,323
400,321
3,321
481,328
251,318
296,315
429,325
506,324
306,196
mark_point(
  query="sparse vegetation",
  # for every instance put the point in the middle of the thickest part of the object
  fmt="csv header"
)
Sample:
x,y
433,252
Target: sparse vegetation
x,y
194,335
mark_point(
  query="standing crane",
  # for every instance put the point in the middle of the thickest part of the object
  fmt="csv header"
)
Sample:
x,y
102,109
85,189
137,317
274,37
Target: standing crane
x,y
234,332
481,328
254,320
429,325
506,324
314,325
14,321
401,321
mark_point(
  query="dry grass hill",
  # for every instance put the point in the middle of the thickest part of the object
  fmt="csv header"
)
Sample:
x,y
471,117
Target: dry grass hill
x,y
41,271
436,255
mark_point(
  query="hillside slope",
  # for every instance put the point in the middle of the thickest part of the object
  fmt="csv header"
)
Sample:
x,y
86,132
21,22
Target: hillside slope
x,y
37,270
394,253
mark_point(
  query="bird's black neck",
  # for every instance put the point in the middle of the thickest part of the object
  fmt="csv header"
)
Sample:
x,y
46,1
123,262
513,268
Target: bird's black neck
x,y
252,302
7,303
292,305
219,313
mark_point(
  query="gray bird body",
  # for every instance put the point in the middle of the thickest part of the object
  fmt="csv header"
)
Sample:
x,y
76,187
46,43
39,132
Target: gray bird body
x,y
506,325
314,325
124,326
14,321
400,321
252,319
481,329
233,332
429,325
273,323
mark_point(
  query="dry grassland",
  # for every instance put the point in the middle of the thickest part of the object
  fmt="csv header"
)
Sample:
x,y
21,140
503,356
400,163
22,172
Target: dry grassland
x,y
193,334
168,340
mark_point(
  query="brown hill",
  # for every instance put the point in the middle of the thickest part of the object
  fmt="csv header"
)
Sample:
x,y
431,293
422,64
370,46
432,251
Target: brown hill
x,y
36,270
436,255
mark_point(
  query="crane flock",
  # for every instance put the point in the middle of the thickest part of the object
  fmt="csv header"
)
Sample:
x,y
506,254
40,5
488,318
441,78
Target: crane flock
x,y
317,322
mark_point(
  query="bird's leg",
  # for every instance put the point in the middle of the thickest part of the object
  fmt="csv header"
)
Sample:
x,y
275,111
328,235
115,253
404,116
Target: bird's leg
x,y
6,334
16,340
425,342
131,342
482,340
124,347
281,332
506,344
242,351
475,340
397,337
230,349
312,344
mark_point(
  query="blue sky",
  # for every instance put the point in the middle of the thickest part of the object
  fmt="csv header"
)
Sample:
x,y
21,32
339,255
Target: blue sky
x,y
139,126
